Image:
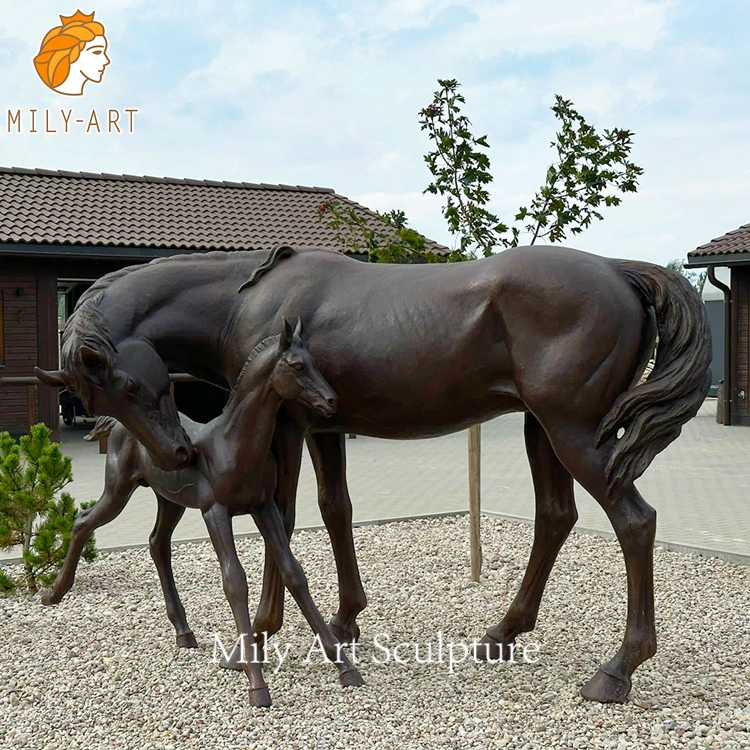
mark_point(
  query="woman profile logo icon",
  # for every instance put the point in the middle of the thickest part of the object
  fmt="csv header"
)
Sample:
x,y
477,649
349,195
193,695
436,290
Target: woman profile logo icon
x,y
73,54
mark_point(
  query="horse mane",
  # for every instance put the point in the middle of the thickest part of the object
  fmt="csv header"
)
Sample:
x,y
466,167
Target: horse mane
x,y
278,253
86,327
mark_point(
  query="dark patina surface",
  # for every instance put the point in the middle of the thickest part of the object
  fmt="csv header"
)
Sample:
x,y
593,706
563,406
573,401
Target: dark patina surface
x,y
417,351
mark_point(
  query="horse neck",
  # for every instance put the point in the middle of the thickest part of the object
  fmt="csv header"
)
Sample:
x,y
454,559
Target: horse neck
x,y
245,429
184,308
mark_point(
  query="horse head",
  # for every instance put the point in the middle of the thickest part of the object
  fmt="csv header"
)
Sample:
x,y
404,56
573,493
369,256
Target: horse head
x,y
131,384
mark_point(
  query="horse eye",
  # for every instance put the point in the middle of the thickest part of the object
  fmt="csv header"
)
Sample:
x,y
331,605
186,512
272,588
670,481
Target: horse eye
x,y
131,386
298,366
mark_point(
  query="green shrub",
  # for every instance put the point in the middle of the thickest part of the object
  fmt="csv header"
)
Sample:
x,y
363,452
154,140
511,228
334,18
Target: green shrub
x,y
35,514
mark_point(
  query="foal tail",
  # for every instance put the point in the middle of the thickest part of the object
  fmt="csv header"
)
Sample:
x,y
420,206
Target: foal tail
x,y
102,428
652,413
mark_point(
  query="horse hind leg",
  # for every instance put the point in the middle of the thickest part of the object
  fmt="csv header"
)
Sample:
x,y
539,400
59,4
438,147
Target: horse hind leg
x,y
160,545
634,523
555,517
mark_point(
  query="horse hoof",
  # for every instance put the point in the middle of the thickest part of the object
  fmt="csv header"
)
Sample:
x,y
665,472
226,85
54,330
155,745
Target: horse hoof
x,y
351,678
605,688
186,640
344,634
490,649
49,598
260,697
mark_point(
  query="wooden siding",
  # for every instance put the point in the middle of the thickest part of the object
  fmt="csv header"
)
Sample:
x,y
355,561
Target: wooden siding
x,y
18,287
741,344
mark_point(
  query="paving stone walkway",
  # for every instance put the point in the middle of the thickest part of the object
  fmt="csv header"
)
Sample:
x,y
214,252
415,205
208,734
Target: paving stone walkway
x,y
700,485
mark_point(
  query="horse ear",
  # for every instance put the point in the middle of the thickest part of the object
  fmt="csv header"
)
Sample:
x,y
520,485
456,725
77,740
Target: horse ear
x,y
95,363
298,328
285,340
56,378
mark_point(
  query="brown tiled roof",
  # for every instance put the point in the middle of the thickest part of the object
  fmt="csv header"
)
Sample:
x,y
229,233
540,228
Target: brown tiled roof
x,y
732,243
79,208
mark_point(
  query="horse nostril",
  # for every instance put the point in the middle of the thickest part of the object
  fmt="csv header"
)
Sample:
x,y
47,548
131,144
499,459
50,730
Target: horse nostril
x,y
182,453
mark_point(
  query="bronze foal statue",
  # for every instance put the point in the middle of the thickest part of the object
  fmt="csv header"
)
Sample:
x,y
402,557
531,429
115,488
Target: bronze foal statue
x,y
419,351
234,473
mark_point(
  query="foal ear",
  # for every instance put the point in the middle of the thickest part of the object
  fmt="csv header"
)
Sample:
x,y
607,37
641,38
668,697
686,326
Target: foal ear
x,y
298,328
285,340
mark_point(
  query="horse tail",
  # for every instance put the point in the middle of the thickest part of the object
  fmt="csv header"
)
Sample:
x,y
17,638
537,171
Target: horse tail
x,y
653,411
102,428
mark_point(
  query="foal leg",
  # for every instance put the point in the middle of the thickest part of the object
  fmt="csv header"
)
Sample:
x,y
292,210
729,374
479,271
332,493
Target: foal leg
x,y
634,522
329,459
219,525
160,544
287,447
271,527
117,493
555,516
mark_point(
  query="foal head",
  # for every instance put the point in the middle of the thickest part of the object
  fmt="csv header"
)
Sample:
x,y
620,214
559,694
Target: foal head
x,y
294,375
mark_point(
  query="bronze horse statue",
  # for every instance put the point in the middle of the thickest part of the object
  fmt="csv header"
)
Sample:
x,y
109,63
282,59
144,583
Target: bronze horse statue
x,y
233,463
417,351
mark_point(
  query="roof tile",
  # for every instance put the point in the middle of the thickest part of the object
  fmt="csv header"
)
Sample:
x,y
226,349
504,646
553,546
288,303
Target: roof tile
x,y
734,242
82,208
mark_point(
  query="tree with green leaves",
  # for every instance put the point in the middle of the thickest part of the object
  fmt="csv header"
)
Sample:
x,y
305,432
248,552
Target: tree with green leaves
x,y
696,278
385,238
35,514
591,171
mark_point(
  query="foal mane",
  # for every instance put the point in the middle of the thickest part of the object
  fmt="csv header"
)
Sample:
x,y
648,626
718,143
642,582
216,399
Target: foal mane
x,y
257,349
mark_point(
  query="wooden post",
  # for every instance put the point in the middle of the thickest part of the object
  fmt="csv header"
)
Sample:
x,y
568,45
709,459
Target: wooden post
x,y
475,500
31,405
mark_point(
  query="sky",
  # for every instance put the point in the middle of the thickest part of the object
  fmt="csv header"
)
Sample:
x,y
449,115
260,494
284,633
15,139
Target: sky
x,y
328,94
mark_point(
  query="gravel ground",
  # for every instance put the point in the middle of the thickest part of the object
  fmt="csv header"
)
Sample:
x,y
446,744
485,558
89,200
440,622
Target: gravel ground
x,y
101,670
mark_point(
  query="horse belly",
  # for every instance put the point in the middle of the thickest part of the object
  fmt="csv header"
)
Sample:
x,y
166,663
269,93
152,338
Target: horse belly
x,y
419,397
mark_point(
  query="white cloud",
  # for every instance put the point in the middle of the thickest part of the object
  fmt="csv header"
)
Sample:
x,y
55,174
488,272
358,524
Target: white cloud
x,y
329,95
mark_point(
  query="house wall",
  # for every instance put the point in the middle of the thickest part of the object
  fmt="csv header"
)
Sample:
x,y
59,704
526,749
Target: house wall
x,y
741,345
19,320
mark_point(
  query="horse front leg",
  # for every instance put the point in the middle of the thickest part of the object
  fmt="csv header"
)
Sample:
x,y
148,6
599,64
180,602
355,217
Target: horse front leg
x,y
271,526
328,454
219,525
160,545
286,446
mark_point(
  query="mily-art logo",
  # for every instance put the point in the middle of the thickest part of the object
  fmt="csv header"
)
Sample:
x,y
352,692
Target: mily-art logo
x,y
70,57
73,54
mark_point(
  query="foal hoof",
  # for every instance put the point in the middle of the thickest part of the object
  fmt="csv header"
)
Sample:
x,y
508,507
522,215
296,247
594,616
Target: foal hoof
x,y
605,688
260,697
489,649
49,598
186,640
344,634
351,678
